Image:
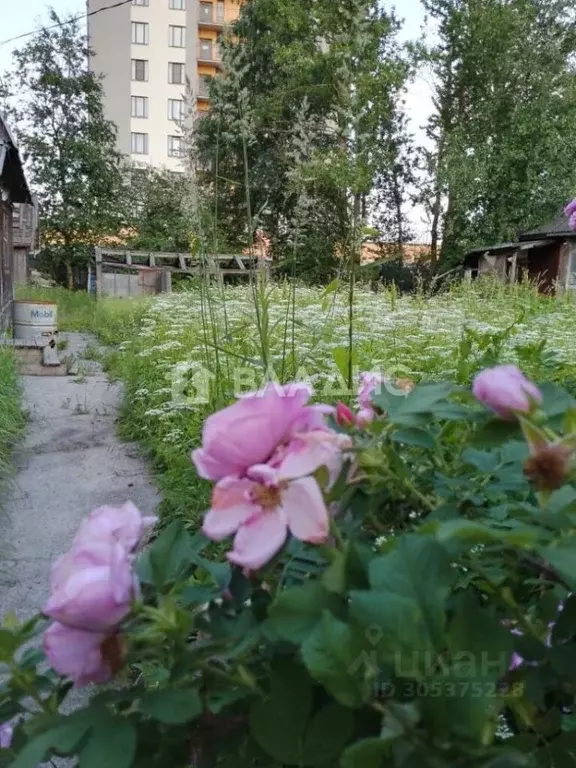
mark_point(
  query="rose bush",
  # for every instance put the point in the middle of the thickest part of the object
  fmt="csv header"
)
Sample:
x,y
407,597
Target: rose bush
x,y
397,590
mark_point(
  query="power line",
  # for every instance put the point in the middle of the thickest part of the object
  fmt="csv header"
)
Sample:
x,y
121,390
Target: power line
x,y
67,21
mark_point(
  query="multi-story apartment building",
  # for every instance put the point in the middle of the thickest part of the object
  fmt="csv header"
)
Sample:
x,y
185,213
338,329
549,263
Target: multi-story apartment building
x,y
146,49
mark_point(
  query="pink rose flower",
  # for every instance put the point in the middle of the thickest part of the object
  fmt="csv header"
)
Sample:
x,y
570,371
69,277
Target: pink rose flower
x,y
6,733
261,510
309,451
124,524
506,390
250,430
77,654
370,383
92,586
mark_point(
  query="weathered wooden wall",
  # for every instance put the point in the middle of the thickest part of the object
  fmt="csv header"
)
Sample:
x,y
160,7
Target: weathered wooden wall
x,y
6,292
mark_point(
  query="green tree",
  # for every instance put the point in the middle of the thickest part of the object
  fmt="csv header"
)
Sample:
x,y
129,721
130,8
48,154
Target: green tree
x,y
504,124
302,124
154,210
56,107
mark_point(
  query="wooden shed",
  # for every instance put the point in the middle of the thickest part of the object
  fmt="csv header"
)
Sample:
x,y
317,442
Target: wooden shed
x,y
13,189
546,254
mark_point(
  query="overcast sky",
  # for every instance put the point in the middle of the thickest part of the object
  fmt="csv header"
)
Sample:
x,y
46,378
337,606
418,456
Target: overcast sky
x,y
28,15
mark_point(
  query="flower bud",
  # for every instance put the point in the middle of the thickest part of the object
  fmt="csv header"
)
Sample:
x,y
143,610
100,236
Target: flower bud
x,y
506,391
344,416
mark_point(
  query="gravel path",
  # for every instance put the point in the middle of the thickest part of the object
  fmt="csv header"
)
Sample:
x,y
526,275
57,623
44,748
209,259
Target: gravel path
x,y
69,463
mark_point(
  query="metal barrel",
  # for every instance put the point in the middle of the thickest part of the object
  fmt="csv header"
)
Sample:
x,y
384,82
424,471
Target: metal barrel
x,y
35,321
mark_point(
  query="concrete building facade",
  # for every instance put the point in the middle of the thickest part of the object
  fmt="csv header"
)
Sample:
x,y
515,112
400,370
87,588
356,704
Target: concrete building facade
x,y
146,49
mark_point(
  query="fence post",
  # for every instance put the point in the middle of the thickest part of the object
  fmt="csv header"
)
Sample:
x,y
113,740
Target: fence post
x,y
98,259
166,281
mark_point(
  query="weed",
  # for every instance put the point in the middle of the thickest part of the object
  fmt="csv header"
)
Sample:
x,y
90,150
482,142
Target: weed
x,y
12,418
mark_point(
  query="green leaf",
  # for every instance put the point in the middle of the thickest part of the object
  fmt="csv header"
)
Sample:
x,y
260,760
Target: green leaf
x,y
9,644
565,625
563,559
64,737
414,436
562,500
423,398
368,753
483,461
511,760
340,355
297,610
34,752
471,531
278,722
331,655
219,700
495,433
476,632
169,556
395,632
172,707
418,571
112,743
555,401
198,595
327,735
334,577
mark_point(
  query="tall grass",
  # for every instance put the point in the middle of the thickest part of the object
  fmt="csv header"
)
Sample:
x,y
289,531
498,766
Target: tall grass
x,y
11,416
112,319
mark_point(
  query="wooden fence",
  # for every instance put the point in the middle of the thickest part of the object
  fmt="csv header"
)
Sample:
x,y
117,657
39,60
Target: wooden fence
x,y
124,272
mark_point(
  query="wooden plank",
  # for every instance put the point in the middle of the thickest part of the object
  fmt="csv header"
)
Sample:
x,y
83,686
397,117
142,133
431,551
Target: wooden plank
x,y
152,260
98,257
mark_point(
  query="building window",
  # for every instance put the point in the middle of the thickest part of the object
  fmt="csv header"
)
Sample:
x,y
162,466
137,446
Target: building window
x,y
176,36
139,33
140,2
175,146
140,70
175,109
139,106
139,143
220,10
204,85
178,5
206,12
175,73
206,50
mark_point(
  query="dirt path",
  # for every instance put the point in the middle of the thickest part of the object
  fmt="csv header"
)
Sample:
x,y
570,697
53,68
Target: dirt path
x,y
69,463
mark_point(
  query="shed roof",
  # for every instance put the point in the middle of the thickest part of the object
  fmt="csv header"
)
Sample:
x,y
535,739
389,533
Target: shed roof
x,y
11,169
557,228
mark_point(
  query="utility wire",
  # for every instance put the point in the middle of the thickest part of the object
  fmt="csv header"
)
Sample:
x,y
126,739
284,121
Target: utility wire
x,y
67,21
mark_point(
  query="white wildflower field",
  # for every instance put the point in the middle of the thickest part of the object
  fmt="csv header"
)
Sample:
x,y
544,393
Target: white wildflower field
x,y
183,356
191,352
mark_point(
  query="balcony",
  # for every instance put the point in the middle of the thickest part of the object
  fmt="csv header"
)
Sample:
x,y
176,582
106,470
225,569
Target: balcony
x,y
212,16
209,53
203,90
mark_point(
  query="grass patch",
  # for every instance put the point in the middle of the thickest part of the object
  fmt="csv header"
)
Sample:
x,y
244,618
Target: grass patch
x,y
113,320
12,419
